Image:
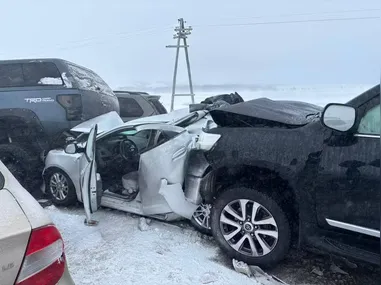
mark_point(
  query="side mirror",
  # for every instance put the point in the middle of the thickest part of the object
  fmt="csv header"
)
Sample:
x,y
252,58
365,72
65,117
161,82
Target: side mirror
x,y
339,117
71,148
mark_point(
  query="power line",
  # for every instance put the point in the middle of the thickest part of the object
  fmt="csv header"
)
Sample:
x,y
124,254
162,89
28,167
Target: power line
x,y
307,14
125,35
289,22
86,43
89,40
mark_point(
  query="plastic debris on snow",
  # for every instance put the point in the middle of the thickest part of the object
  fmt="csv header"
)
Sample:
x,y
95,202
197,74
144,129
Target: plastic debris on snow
x,y
335,269
317,272
143,225
256,272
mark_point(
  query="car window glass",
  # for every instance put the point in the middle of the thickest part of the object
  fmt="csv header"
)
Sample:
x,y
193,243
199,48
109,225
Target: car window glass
x,y
11,75
29,74
130,108
370,123
88,80
41,73
141,139
165,136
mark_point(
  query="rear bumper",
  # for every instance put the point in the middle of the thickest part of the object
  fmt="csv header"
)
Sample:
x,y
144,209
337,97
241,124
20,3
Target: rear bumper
x,y
66,278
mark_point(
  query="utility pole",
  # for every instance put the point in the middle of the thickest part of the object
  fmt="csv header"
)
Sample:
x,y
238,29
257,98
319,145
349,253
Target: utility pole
x,y
181,33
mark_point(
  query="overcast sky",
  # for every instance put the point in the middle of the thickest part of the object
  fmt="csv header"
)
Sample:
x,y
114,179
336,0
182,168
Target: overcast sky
x,y
124,41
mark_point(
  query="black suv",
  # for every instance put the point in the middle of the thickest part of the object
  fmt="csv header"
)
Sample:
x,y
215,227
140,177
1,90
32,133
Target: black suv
x,y
41,100
285,171
134,105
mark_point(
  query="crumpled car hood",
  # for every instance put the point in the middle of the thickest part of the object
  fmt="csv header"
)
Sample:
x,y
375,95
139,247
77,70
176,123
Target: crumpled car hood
x,y
263,111
164,118
105,122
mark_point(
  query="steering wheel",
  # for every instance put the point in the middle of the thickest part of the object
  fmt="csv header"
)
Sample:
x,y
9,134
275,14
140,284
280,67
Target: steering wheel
x,y
128,149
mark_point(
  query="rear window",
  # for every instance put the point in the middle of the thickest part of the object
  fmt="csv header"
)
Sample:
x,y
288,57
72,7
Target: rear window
x,y
29,74
89,80
159,107
130,108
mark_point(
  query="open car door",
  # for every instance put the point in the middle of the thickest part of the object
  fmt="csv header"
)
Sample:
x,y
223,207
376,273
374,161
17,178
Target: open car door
x,y
162,172
90,197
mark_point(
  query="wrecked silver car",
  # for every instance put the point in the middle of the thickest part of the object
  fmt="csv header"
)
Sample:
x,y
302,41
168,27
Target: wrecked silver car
x,y
139,167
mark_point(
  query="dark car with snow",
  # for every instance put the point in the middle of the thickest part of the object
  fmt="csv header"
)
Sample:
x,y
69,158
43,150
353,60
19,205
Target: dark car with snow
x,y
284,171
41,100
134,105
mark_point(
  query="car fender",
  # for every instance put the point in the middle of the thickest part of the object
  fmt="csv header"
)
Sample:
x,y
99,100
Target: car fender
x,y
69,163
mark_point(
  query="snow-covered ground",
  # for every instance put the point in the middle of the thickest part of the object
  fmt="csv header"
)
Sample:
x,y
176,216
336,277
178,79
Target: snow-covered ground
x,y
117,252
319,95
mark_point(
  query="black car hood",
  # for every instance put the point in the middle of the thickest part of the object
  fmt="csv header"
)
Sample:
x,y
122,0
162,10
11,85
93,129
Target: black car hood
x,y
263,111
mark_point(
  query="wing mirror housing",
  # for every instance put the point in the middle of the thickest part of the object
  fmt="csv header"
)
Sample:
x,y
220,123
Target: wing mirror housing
x,y
339,117
71,148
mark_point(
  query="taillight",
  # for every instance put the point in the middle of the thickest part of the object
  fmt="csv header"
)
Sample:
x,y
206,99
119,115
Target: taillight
x,y
73,106
44,261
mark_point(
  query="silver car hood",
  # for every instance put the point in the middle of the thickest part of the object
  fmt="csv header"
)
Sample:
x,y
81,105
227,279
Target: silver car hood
x,y
105,122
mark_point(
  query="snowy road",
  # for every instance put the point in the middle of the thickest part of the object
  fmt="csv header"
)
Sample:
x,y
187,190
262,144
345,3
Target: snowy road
x,y
117,252
319,95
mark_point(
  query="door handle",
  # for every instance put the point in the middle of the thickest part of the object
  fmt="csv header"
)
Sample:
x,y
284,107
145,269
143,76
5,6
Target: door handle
x,y
179,153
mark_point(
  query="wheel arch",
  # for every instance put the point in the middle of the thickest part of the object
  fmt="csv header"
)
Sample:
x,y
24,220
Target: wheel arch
x,y
47,171
24,116
14,122
274,180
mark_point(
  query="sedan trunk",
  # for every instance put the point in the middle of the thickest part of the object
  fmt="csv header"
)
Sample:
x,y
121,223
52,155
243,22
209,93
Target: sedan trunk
x,y
15,230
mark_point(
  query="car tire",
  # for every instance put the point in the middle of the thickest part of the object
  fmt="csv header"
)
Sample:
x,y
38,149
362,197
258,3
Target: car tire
x,y
269,249
64,194
20,163
198,222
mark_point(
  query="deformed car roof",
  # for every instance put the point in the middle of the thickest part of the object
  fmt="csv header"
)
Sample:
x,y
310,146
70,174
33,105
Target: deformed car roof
x,y
112,120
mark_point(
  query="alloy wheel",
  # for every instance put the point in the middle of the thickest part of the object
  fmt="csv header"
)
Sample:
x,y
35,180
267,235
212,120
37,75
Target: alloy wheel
x,y
202,215
59,186
249,228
